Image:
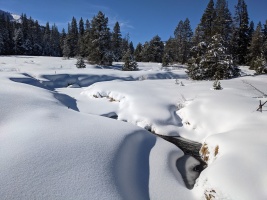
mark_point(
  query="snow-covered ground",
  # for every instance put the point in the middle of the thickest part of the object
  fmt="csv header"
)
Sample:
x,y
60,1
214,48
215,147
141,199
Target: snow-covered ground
x,y
57,140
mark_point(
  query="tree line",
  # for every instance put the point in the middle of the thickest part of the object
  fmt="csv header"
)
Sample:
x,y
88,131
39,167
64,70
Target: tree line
x,y
219,43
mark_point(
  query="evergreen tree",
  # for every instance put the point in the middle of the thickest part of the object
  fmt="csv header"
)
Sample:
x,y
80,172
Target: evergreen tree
x,y
46,41
178,35
256,53
63,36
80,63
223,20
73,35
183,39
4,37
138,52
206,25
86,47
186,40
169,55
80,48
214,63
196,69
125,44
116,41
131,47
240,40
146,52
66,48
55,42
129,62
18,42
155,49
100,39
265,40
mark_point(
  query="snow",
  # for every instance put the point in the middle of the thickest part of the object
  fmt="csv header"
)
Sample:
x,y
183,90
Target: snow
x,y
57,141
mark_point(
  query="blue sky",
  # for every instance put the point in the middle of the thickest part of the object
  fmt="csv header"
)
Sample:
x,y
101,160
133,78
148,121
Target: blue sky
x,y
142,19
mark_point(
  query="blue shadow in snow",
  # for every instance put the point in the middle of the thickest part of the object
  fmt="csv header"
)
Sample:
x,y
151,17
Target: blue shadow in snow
x,y
131,166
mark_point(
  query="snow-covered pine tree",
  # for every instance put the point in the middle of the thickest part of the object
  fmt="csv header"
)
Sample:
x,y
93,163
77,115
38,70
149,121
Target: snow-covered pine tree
x,y
80,62
218,63
196,70
214,63
129,62
217,85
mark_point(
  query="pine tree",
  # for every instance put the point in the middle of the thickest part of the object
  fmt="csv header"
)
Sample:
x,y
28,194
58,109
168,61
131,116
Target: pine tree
x,y
223,20
66,48
73,35
212,63
138,52
240,40
186,40
129,62
55,42
18,42
146,52
256,52
100,52
169,54
116,41
183,39
196,69
217,85
131,47
80,47
46,41
155,49
80,63
178,35
265,41
63,36
125,44
206,25
86,47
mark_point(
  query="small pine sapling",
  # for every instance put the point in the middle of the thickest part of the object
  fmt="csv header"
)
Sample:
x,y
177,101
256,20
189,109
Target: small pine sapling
x,y
129,63
217,85
80,63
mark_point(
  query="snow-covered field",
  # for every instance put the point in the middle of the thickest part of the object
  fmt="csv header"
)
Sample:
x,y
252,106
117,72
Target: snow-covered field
x,y
58,139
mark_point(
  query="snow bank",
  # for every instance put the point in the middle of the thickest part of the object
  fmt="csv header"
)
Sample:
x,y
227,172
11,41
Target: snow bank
x,y
51,152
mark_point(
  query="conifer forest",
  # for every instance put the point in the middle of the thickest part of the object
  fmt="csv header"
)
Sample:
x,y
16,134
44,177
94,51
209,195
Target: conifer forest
x,y
221,41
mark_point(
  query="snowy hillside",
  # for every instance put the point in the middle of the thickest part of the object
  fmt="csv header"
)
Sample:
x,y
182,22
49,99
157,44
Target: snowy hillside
x,y
69,133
